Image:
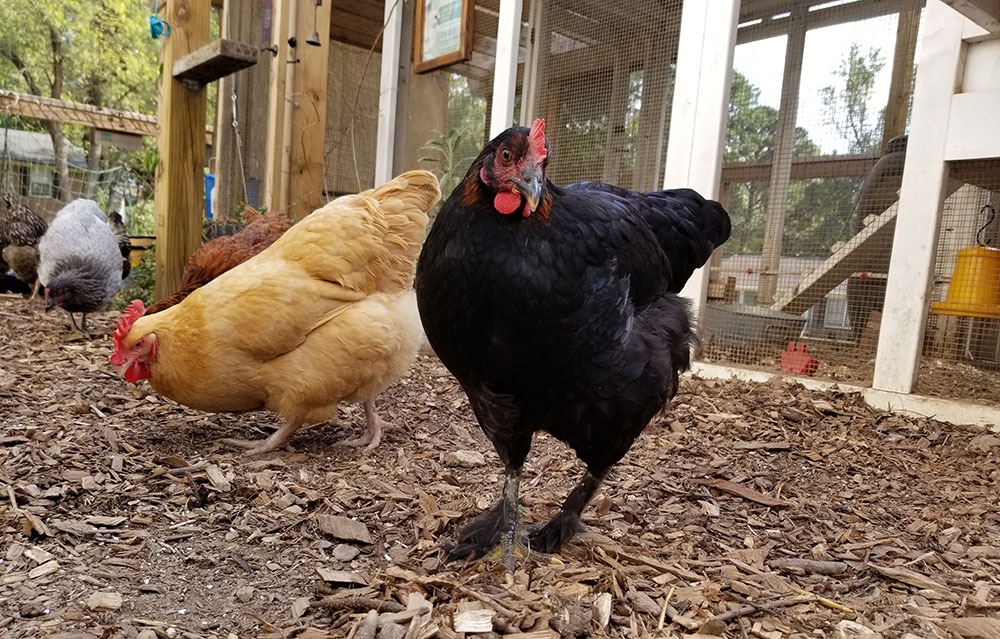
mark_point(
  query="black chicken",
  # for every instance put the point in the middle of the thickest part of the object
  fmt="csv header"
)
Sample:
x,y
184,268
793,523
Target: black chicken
x,y
556,310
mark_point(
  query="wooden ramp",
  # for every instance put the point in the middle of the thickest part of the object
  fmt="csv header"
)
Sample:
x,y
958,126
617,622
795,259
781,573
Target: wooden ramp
x,y
842,263
852,257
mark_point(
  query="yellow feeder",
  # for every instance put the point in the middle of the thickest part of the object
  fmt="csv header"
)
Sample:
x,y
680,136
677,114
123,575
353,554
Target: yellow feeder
x,y
975,284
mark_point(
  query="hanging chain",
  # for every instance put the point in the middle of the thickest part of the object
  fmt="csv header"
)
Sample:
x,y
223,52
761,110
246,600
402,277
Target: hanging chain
x,y
239,149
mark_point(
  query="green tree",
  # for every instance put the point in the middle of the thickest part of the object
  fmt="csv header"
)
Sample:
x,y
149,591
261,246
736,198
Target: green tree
x,y
96,52
847,103
750,137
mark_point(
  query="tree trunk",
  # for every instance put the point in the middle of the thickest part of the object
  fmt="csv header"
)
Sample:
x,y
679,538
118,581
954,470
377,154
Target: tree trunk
x,y
63,189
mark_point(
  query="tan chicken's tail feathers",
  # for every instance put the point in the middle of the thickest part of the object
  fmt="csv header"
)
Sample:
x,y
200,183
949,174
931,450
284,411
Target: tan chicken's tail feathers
x,y
404,202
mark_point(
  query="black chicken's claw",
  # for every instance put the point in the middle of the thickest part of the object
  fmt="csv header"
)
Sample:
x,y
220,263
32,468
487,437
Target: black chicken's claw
x,y
479,536
551,537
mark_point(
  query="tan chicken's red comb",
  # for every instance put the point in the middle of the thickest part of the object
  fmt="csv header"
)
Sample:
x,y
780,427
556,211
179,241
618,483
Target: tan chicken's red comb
x,y
133,311
536,140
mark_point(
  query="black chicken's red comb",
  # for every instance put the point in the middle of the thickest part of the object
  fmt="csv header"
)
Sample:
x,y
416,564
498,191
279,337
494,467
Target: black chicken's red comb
x,y
536,140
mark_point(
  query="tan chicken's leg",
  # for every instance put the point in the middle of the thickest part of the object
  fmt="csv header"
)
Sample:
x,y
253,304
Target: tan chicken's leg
x,y
277,439
375,427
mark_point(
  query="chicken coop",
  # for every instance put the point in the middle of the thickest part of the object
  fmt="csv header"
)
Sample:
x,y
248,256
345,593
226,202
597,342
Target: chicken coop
x,y
851,142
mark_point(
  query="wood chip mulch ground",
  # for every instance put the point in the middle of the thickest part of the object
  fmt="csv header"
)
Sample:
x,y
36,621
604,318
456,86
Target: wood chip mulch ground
x,y
748,510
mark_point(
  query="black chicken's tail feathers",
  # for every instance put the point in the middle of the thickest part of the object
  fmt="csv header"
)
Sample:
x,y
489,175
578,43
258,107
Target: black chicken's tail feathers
x,y
687,226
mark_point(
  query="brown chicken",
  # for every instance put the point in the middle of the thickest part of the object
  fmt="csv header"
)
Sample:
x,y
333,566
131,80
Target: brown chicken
x,y
217,256
325,314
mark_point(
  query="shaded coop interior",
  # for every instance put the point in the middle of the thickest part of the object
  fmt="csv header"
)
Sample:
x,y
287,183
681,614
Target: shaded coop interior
x,y
814,160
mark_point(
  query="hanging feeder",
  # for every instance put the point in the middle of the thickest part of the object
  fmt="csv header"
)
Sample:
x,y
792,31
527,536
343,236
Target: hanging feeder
x,y
975,281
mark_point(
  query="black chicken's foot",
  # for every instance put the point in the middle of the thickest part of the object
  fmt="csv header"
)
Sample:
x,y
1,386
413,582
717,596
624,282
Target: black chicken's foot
x,y
566,523
498,526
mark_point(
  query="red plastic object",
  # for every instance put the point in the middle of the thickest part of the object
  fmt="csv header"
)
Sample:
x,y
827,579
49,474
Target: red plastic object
x,y
795,360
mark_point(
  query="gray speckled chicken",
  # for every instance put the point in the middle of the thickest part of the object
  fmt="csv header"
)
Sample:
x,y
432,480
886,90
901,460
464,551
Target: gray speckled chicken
x,y
80,264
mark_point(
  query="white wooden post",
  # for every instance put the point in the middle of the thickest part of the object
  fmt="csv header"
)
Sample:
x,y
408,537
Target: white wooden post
x,y
385,138
505,71
701,108
914,245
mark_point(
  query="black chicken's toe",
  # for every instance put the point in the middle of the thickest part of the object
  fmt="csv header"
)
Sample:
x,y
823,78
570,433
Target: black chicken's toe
x,y
479,536
551,537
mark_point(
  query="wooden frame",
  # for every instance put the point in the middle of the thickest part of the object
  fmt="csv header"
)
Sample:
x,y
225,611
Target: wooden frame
x,y
450,40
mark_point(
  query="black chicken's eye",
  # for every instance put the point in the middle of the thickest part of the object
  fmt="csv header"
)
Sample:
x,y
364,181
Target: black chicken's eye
x,y
505,155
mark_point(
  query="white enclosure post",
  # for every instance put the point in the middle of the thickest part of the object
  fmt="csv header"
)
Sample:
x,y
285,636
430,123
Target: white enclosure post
x,y
701,108
505,71
385,138
914,244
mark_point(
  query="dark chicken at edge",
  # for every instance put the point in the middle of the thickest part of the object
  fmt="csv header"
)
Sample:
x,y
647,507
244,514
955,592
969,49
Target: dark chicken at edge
x,y
556,309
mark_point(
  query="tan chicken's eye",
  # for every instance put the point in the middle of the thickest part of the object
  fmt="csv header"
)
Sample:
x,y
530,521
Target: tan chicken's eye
x,y
505,155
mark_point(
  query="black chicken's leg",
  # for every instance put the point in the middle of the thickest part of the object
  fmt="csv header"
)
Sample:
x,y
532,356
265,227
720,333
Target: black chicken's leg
x,y
565,523
499,524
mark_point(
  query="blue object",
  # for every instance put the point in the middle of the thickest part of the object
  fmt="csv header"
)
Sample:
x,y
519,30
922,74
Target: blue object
x,y
158,27
209,187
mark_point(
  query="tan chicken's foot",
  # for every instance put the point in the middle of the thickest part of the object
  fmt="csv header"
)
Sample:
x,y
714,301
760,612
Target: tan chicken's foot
x,y
375,427
278,439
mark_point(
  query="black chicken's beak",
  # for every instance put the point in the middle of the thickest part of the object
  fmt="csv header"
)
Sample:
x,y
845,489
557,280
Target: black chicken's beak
x,y
50,303
530,188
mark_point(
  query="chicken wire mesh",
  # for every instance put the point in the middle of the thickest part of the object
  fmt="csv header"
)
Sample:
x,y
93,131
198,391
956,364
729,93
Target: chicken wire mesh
x,y
813,163
602,76
962,339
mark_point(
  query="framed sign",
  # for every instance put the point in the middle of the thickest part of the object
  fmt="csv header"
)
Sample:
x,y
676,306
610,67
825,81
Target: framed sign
x,y
444,33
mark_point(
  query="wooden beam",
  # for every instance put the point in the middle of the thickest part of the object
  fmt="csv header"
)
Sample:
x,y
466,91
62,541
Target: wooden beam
x,y
914,244
505,78
829,16
803,168
275,187
33,106
306,161
901,83
985,13
179,203
385,137
700,108
214,61
781,170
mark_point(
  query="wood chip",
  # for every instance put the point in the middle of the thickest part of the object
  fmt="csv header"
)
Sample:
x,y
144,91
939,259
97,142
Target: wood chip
x,y
742,491
473,621
343,528
104,601
340,576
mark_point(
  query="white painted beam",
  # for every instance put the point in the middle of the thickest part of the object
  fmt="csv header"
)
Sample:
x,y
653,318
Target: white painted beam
x,y
971,134
505,71
385,137
985,13
701,108
911,271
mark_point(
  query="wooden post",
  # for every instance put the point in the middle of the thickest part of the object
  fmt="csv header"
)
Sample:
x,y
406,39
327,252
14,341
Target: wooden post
x,y
385,138
701,108
505,74
179,202
914,244
615,136
901,84
306,178
781,169
296,130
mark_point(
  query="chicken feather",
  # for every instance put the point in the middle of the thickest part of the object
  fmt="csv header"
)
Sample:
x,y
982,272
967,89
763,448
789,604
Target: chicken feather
x,y
323,315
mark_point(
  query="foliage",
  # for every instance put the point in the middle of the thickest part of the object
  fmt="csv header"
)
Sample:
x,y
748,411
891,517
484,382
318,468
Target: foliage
x,y
847,103
751,135
96,52
139,283
445,151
